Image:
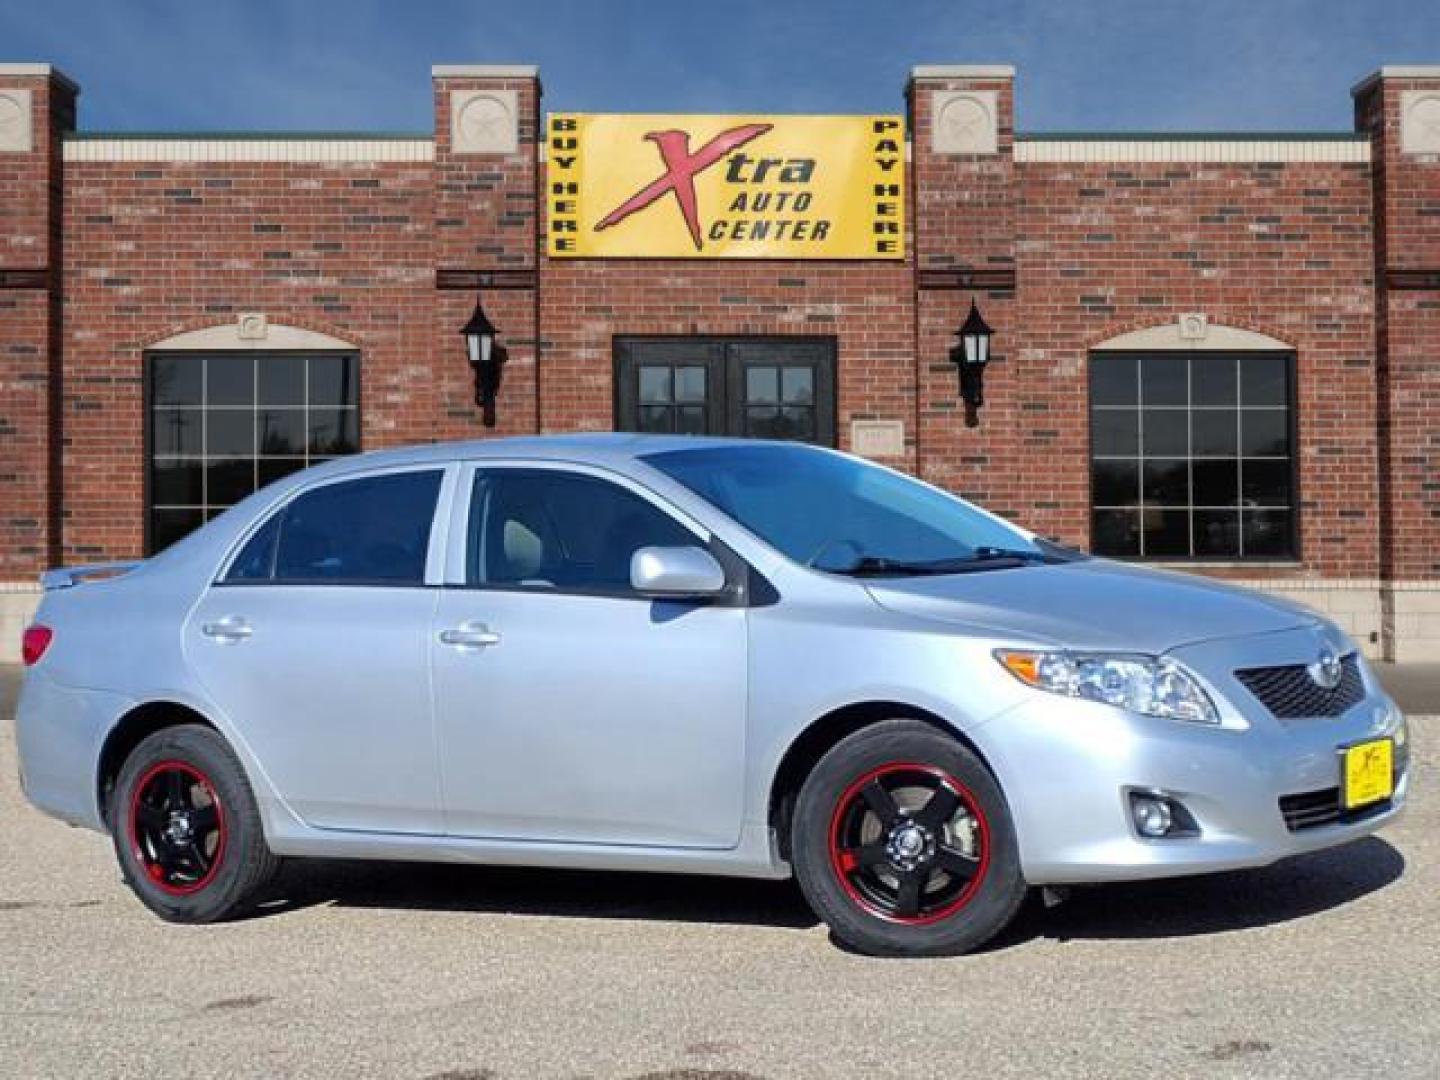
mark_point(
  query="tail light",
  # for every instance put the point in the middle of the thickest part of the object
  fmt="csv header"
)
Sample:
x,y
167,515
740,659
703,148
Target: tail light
x,y
34,642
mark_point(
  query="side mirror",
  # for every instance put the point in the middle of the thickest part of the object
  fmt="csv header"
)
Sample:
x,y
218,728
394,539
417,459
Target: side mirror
x,y
676,573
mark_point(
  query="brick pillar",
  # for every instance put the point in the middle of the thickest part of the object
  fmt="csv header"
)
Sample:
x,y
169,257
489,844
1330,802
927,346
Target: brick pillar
x,y
486,235
963,177
1400,108
37,105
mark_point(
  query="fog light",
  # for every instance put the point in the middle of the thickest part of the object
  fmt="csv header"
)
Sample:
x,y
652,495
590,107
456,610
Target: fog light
x,y
1161,817
1152,814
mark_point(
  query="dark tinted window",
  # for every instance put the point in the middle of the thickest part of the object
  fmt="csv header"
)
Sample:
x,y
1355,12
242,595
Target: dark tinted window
x,y
373,530
553,530
773,388
1191,455
256,561
223,425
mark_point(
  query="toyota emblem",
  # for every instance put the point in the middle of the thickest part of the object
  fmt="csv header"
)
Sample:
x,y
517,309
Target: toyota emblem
x,y
1326,672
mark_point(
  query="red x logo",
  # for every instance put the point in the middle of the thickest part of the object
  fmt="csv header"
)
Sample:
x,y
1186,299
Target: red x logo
x,y
681,168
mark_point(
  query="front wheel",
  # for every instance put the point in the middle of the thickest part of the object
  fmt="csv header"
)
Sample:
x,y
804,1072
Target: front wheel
x,y
903,844
186,829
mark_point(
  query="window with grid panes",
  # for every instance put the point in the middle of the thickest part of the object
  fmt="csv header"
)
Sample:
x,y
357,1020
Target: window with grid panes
x,y
1192,455
222,425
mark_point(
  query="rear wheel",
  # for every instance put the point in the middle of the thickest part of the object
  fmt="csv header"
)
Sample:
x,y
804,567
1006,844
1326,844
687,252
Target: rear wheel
x,y
903,844
186,828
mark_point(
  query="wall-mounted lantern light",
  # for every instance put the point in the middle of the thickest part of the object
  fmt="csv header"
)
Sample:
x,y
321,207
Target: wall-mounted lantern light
x,y
970,356
487,358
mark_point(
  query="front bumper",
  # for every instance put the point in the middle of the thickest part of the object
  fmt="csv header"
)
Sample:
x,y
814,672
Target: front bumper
x,y
1068,766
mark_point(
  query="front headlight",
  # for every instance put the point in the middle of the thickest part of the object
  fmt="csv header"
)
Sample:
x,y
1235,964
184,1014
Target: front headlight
x,y
1153,685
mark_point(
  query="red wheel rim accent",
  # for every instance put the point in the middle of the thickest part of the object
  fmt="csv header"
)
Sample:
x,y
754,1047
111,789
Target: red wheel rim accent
x,y
171,868
845,863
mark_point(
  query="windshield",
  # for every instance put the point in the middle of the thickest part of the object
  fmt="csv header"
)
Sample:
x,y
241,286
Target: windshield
x,y
844,515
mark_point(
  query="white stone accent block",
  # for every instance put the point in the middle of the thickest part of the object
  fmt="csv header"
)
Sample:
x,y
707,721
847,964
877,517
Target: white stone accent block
x,y
484,71
1193,326
320,151
251,330
1417,621
1192,331
484,122
965,122
963,71
17,131
1199,151
877,438
1420,121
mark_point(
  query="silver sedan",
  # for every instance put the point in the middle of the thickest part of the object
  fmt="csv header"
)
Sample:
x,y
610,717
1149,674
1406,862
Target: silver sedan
x,y
691,655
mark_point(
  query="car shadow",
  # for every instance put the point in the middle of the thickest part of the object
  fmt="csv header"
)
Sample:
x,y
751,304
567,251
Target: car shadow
x,y
581,894
1294,888
1298,887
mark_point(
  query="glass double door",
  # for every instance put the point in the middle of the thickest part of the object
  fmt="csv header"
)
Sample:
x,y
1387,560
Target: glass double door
x,y
764,388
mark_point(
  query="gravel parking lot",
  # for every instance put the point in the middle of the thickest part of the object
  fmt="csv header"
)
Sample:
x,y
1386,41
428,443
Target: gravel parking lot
x,y
1325,965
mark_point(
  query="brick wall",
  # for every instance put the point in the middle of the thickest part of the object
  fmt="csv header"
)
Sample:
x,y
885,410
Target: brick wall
x,y
157,248
30,258
1061,255
866,307
486,221
1407,202
1407,257
965,233
1283,249
1101,248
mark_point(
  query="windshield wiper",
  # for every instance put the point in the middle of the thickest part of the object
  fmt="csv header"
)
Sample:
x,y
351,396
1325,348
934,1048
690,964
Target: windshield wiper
x,y
986,551
880,566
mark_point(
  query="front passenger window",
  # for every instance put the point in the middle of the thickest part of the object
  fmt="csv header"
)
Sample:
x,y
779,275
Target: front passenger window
x,y
543,529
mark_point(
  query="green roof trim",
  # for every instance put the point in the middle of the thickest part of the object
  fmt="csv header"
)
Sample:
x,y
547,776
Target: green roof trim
x,y
1191,136
251,136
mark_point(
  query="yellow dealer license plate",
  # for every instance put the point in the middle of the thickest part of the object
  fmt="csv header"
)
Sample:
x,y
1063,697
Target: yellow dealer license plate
x,y
1367,772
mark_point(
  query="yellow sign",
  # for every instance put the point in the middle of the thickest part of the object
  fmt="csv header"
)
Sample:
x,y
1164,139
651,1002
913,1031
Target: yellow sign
x,y
1369,772
727,187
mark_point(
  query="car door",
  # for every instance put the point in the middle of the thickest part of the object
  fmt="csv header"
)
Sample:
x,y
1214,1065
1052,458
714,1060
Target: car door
x,y
568,707
314,643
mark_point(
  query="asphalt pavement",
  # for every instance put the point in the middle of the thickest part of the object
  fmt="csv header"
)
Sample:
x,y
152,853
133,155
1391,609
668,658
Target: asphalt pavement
x,y
1324,965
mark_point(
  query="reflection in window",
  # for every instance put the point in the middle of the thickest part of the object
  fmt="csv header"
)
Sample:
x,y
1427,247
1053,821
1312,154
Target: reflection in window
x,y
222,426
1191,455
673,398
780,402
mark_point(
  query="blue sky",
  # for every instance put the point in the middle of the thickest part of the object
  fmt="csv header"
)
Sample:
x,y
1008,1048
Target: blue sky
x,y
364,64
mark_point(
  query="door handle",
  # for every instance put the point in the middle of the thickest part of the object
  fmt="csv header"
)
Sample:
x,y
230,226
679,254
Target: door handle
x,y
229,630
469,635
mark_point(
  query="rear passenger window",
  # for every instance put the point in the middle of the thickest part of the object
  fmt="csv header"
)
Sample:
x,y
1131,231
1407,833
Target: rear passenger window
x,y
374,530
256,561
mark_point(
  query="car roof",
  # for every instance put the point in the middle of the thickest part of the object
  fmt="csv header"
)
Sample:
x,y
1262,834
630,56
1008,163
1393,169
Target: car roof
x,y
598,447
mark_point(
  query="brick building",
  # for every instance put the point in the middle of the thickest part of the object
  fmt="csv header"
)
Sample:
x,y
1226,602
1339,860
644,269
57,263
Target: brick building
x,y
1212,351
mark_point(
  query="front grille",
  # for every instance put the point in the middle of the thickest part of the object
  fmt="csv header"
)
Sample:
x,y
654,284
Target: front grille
x,y
1290,693
1311,809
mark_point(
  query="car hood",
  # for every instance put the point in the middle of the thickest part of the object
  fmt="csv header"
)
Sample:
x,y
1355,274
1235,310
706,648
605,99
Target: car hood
x,y
1092,604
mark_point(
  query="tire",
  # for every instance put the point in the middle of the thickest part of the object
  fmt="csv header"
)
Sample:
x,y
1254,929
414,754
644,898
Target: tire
x,y
186,828
891,872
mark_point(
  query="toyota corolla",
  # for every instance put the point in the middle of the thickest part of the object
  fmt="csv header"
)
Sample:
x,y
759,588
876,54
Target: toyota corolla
x,y
687,655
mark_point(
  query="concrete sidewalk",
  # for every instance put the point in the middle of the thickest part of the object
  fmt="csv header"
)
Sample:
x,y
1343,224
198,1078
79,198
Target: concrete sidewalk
x,y
1415,687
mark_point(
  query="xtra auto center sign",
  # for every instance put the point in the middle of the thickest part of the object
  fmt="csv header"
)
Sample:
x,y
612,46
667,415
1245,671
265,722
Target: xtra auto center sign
x,y
732,187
